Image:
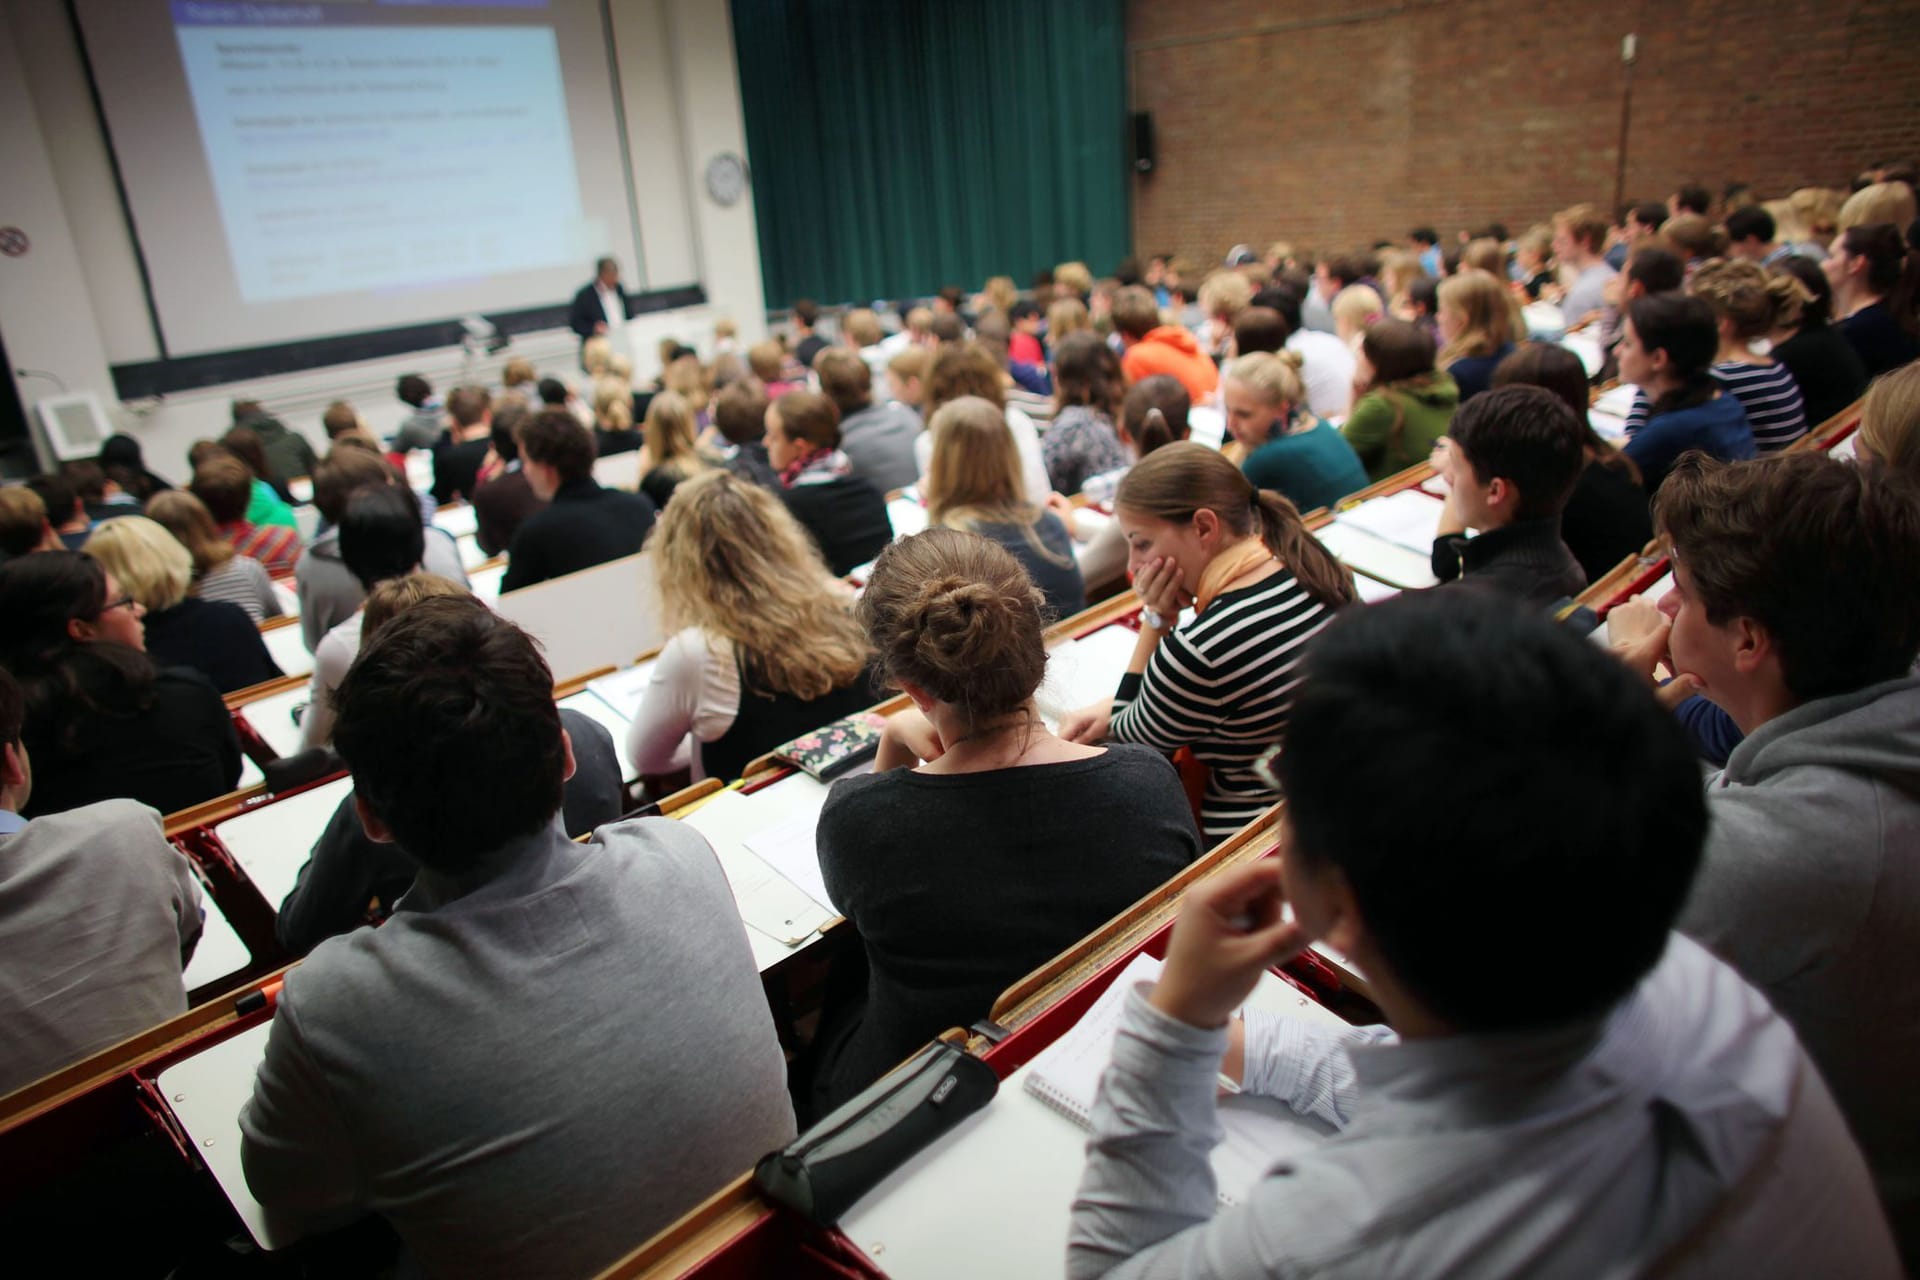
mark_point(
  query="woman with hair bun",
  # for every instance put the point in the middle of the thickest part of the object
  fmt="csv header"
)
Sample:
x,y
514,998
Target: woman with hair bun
x,y
1747,305
982,844
1201,536
1823,363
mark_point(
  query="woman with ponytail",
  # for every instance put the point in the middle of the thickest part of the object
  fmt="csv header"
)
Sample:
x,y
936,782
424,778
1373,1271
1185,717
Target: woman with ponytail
x,y
982,844
1748,305
1201,536
1875,279
1667,348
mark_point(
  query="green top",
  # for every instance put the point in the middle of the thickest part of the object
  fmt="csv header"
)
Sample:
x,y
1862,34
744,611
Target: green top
x,y
1314,468
1422,407
265,507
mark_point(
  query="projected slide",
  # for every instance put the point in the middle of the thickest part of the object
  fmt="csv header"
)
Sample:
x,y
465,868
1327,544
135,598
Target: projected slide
x,y
381,158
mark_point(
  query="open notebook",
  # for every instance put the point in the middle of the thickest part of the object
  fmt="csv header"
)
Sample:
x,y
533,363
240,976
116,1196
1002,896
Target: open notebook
x,y
1258,1132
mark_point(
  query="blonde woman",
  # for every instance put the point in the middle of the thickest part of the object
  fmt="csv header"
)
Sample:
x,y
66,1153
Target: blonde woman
x,y
1400,270
973,484
999,295
155,571
672,452
1891,202
764,646
1066,316
1889,433
1354,308
219,573
1476,329
1288,449
613,417
596,353
687,378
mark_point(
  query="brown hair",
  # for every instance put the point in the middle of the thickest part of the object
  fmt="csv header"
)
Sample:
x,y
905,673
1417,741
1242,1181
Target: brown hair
x,y
1486,314
1586,224
344,471
1694,236
1259,329
1890,420
1398,350
844,379
187,518
225,485
1485,254
1135,313
965,369
810,417
23,520
954,614
1163,393
1814,549
1552,366
1177,480
244,443
766,359
467,406
1065,316
1746,294
1086,372
397,595
861,327
911,362
740,413
555,438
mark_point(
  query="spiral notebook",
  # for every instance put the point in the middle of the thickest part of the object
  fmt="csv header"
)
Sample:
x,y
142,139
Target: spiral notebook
x,y
1258,1132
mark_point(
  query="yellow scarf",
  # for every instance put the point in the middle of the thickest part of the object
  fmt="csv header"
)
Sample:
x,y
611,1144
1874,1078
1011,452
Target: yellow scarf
x,y
1226,567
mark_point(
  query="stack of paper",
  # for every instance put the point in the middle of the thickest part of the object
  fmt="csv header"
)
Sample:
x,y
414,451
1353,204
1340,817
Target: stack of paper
x,y
1409,518
1084,671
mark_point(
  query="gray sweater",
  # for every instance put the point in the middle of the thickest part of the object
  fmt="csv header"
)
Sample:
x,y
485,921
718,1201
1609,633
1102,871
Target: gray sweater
x,y
878,440
330,594
527,1072
1811,888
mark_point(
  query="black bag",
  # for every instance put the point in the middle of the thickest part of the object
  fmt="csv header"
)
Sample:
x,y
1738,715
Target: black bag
x,y
823,1172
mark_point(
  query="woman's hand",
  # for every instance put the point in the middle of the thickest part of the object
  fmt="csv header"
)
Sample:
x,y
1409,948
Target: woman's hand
x,y
1088,725
908,739
1159,585
1062,506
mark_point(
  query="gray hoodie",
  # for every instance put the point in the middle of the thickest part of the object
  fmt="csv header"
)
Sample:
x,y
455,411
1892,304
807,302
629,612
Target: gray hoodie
x,y
330,594
1811,888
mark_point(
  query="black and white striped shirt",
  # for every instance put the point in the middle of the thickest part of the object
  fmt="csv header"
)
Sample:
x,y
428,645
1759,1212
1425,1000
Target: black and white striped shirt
x,y
1223,685
1771,398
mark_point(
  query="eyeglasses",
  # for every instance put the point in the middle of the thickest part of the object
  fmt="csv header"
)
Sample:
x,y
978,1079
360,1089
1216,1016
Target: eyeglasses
x,y
124,602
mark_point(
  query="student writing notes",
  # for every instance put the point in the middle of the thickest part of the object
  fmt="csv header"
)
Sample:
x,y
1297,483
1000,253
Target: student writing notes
x,y
1621,1103
1200,535
551,1050
982,844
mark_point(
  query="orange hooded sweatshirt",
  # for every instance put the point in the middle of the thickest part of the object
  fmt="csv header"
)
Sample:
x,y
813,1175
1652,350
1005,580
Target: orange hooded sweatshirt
x,y
1171,349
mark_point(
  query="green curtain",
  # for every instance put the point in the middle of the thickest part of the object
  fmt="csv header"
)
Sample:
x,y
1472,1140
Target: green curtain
x,y
897,146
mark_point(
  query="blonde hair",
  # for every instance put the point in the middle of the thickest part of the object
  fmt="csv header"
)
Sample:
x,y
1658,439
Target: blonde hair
x,y
1275,376
974,476
149,563
396,595
518,371
1485,254
594,355
911,362
618,366
1817,210
1485,308
724,328
1065,316
1400,269
613,404
1756,301
672,433
1000,293
765,359
861,327
1694,237
734,562
1537,240
188,520
1890,420
1882,202
1074,276
1225,294
1358,306
687,379
1586,224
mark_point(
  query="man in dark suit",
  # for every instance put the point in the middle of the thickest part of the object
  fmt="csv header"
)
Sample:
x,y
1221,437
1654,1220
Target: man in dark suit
x,y
582,524
600,304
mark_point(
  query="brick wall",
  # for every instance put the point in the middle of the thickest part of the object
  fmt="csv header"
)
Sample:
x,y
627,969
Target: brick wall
x,y
1336,127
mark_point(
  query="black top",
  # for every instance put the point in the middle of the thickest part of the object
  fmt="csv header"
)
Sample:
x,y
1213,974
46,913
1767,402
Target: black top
x,y
767,719
749,462
1525,559
1883,345
456,469
607,443
213,637
1474,374
1057,575
176,753
960,884
583,526
586,311
808,347
1827,369
347,870
1606,519
501,506
846,516
659,484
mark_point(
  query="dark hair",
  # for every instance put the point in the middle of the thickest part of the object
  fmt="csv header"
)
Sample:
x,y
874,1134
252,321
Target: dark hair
x,y
1656,268
344,472
1424,235
1425,293
13,709
224,485
468,405
1686,329
339,419
1525,435
1817,311
66,684
1086,372
1815,549
1552,366
1347,268
448,723
1893,271
244,444
1750,222
740,414
947,328
1285,296
507,421
1259,329
57,492
809,417
1166,394
806,311
1649,213
555,438
1025,309
1135,313
553,392
956,615
601,264
1406,685
380,534
89,481
414,389
121,458
965,369
952,294
1694,199
845,379
1397,350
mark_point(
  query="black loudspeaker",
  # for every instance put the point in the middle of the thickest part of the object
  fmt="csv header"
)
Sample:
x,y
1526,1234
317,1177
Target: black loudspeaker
x,y
1143,142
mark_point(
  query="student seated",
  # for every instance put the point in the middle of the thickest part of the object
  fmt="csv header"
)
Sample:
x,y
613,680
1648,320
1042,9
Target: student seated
x,y
583,524
1510,460
1889,434
223,483
1793,610
64,512
98,913
1288,449
456,468
288,454
763,645
612,425
1621,1103
1402,404
968,369
24,528
973,484
1579,243
1667,348
1152,413
1606,517
505,497
1087,386
876,437
1476,327
264,506
347,869
1326,362
571,1046
738,435
218,640
1747,305
103,721
672,451
1149,347
982,844
1202,537
219,574
1823,363
1875,278
425,426
126,465
846,516
328,590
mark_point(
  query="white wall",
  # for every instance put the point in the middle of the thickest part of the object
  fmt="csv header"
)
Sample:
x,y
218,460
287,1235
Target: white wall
x,y
73,305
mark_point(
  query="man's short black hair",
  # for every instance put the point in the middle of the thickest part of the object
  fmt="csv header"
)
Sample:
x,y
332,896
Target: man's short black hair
x,y
507,421
1569,811
448,723
806,311
1649,213
1528,437
1750,222
1424,235
1284,296
1025,309
414,389
1694,199
13,710
59,495
380,534
1259,329
553,392
1656,268
554,438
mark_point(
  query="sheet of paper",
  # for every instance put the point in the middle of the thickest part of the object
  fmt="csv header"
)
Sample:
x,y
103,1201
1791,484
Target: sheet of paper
x,y
273,717
1083,671
288,650
624,690
271,842
1407,519
908,517
205,1093
289,599
1206,425
1378,558
1544,319
300,489
471,556
486,582
595,708
1847,448
1372,590
788,847
461,521
779,915
1587,347
1090,521
1616,400
1611,429
619,470
419,469
220,953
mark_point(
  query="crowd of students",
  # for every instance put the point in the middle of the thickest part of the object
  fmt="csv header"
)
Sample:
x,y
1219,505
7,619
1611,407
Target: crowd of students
x,y
1545,794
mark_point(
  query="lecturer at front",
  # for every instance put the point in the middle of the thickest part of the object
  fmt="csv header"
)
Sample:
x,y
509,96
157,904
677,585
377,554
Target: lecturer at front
x,y
600,308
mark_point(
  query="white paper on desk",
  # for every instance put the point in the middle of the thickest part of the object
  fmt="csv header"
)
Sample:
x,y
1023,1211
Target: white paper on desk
x,y
1616,400
597,709
461,521
1206,425
907,517
769,903
486,582
1588,349
1611,429
1409,518
1372,590
471,556
789,848
1083,671
1377,557
289,599
1847,448
625,690
205,1092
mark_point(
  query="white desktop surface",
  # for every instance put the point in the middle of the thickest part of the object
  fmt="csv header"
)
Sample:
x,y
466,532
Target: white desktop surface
x,y
1377,558
595,708
461,521
289,651
289,599
220,953
272,718
271,843
471,556
781,918
486,582
205,1093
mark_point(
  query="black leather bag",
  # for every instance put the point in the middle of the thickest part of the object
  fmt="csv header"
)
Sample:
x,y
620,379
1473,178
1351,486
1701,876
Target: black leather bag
x,y
823,1172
